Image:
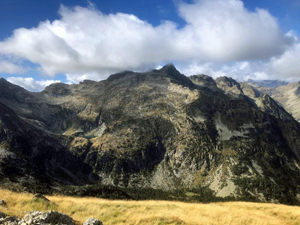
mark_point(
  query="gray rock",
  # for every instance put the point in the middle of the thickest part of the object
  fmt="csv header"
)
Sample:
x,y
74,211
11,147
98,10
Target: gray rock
x,y
3,203
2,215
50,217
92,221
40,196
9,220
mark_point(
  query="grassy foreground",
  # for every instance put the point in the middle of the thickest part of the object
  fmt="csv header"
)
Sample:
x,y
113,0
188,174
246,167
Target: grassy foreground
x,y
153,212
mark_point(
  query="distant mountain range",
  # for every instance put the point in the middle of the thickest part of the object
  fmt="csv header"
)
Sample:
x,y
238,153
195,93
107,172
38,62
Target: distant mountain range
x,y
286,94
157,130
267,83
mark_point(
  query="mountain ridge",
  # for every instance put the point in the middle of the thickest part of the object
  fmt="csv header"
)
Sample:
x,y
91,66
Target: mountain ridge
x,y
286,95
163,130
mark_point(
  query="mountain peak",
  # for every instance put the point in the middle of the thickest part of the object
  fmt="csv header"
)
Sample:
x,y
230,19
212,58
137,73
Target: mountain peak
x,y
5,82
203,80
120,75
230,82
169,69
229,85
57,89
12,91
176,77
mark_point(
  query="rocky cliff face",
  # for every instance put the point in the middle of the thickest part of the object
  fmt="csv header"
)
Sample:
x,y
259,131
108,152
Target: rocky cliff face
x,y
159,130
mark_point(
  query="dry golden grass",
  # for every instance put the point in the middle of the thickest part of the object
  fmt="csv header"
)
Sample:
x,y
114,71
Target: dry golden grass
x,y
154,212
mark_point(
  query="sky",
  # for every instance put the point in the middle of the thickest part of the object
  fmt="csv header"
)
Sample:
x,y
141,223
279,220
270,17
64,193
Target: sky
x,y
68,41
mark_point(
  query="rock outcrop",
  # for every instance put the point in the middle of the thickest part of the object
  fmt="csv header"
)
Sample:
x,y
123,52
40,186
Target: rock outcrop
x,y
39,196
9,220
50,217
2,203
2,215
92,221
43,218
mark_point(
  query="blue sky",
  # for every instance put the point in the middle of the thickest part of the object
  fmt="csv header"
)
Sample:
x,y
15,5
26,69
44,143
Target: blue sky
x,y
68,41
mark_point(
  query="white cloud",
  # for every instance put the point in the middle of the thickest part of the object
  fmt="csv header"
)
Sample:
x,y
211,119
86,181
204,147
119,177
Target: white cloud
x,y
30,84
240,71
244,65
224,30
287,65
76,78
258,76
9,67
292,34
87,44
84,40
40,45
206,68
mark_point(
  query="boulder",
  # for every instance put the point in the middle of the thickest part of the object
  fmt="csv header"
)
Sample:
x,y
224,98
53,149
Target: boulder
x,y
3,203
50,217
10,220
40,196
2,215
92,221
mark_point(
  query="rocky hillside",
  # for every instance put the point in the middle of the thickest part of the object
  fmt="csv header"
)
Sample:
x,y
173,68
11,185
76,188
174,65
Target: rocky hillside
x,y
159,130
287,95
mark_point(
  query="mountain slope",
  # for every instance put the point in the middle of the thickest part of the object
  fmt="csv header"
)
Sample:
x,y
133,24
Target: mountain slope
x,y
29,154
163,130
287,95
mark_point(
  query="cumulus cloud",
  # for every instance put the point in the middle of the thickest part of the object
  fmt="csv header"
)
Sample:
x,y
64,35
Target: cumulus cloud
x,y
226,31
9,67
85,40
287,65
240,71
31,84
76,78
40,45
206,68
85,43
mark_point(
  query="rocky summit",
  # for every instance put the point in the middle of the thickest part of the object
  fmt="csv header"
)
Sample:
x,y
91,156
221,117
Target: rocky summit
x,y
157,130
